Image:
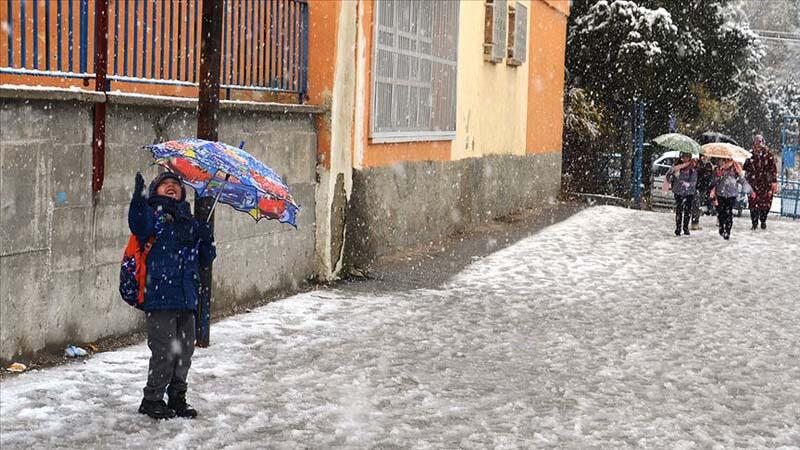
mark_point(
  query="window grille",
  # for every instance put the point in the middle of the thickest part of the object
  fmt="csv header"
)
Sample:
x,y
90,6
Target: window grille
x,y
414,70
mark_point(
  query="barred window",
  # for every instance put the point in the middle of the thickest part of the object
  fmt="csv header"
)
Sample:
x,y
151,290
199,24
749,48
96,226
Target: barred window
x,y
414,70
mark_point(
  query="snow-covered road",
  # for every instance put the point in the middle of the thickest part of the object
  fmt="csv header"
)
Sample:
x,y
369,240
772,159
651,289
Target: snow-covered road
x,y
602,331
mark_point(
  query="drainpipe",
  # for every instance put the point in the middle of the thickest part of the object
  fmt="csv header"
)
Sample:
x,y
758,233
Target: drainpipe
x,y
100,70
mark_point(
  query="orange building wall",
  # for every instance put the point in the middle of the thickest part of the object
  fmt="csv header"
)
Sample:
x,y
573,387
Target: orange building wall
x,y
547,47
561,6
386,154
323,27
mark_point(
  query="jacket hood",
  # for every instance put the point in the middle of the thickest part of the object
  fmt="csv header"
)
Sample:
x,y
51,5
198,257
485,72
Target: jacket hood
x,y
160,178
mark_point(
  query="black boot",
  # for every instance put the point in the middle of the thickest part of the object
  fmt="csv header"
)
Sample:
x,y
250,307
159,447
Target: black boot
x,y
182,409
156,409
677,231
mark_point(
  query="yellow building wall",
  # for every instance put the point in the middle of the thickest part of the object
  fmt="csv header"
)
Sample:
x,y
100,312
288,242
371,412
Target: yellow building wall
x,y
546,56
492,105
501,109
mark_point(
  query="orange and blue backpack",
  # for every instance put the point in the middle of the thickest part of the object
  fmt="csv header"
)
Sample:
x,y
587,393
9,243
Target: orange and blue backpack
x,y
133,271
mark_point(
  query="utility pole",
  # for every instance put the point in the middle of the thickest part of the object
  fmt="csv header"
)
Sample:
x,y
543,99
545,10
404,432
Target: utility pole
x,y
207,124
100,69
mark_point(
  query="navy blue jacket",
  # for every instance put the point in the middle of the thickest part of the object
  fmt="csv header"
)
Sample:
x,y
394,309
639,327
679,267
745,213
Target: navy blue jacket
x,y
182,245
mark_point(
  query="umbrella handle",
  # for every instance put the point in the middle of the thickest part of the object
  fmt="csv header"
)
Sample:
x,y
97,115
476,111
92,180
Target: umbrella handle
x,y
216,199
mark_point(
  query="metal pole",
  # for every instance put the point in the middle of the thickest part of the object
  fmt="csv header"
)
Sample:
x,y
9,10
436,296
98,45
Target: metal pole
x,y
100,69
207,124
638,149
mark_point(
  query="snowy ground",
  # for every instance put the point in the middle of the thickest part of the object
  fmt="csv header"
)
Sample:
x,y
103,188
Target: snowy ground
x,y
602,331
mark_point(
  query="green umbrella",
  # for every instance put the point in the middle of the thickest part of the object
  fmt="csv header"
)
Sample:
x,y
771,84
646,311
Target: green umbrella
x,y
678,142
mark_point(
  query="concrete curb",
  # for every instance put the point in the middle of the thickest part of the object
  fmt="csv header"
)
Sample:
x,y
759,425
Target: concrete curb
x,y
19,92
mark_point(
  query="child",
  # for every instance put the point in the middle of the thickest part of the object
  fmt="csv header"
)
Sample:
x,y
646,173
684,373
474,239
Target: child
x,y
725,188
683,176
181,244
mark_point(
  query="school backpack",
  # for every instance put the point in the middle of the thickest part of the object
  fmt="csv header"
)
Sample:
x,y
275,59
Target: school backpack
x,y
133,271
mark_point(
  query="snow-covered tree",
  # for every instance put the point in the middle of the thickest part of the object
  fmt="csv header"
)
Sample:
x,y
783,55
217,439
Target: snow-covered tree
x,y
785,100
619,48
697,60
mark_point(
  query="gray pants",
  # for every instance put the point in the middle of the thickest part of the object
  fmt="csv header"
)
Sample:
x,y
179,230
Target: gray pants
x,y
170,336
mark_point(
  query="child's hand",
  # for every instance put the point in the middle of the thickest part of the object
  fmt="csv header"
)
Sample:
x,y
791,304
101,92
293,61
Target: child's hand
x,y
138,187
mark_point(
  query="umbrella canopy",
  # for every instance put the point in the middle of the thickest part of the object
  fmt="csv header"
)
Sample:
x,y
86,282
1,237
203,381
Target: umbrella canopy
x,y
725,151
678,142
713,136
229,174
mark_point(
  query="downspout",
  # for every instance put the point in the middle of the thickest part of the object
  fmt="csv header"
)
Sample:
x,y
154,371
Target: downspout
x,y
100,70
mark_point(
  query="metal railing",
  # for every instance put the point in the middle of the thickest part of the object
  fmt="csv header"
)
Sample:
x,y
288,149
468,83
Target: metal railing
x,y
789,197
157,42
48,38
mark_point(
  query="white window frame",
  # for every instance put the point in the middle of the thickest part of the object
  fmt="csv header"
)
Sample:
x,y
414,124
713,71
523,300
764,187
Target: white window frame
x,y
406,135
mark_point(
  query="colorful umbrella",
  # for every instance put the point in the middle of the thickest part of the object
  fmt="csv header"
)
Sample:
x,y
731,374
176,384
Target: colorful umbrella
x,y
230,175
678,142
725,150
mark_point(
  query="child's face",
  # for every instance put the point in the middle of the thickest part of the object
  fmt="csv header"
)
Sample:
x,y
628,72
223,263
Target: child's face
x,y
169,188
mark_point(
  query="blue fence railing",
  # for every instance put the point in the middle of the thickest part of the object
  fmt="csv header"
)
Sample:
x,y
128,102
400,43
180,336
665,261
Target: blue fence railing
x,y
789,197
264,43
48,38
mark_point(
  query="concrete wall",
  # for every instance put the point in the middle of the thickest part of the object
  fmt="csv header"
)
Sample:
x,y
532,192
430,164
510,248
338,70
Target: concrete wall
x,y
408,204
60,249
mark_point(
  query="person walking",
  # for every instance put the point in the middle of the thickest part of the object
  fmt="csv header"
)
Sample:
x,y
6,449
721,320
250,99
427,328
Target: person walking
x,y
705,174
725,187
762,174
683,176
180,245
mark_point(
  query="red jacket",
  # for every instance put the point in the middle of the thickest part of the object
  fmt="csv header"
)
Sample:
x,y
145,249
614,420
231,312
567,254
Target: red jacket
x,y
761,172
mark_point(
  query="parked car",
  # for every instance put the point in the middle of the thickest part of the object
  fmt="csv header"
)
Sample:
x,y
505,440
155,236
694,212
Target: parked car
x,y
659,170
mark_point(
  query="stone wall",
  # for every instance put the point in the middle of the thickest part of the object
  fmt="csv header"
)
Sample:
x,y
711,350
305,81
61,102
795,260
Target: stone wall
x,y
407,204
60,246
